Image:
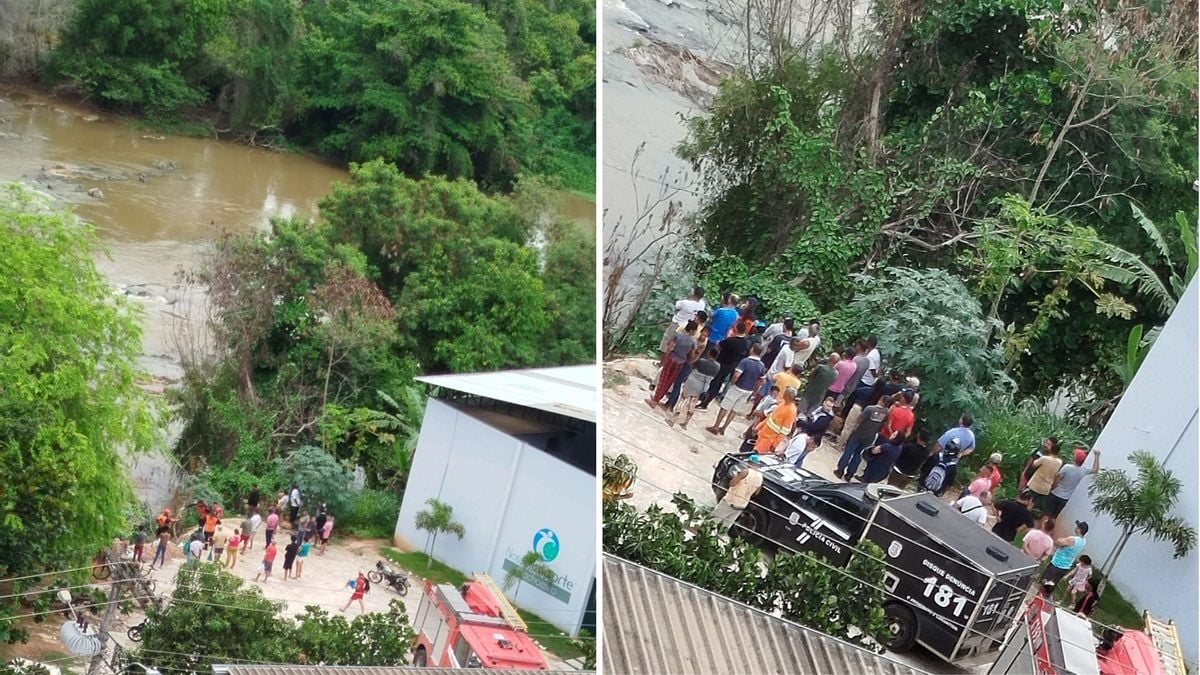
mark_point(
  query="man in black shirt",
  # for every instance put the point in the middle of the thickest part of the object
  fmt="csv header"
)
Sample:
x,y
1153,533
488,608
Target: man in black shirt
x,y
254,498
733,350
1012,516
913,454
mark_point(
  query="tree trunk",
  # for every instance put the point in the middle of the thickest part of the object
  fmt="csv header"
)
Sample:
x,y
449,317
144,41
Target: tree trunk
x,y
1111,561
429,555
881,78
1058,141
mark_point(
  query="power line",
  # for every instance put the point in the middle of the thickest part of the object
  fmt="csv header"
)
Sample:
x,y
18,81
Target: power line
x,y
57,572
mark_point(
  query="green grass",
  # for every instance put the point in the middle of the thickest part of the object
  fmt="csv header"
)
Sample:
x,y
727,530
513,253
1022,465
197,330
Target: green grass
x,y
419,564
551,638
176,126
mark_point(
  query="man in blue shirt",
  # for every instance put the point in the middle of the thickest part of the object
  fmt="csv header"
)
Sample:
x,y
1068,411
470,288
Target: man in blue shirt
x,y
966,437
723,318
966,443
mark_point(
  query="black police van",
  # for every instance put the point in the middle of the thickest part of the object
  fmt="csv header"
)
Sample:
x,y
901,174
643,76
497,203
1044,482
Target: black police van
x,y
953,587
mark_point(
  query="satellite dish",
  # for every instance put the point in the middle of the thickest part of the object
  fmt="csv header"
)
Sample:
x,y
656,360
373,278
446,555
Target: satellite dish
x,y
79,641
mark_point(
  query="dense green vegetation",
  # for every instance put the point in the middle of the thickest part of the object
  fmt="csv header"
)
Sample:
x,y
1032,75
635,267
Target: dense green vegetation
x,y
488,90
320,327
1043,156
213,612
689,546
71,400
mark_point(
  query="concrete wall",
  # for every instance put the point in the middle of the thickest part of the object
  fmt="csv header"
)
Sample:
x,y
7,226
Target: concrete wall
x,y
1158,414
510,497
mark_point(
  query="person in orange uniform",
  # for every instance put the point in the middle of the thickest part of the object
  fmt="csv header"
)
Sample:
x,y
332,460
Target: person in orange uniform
x,y
776,428
210,527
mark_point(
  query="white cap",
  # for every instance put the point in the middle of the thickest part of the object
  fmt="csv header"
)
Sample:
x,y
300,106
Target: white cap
x,y
996,458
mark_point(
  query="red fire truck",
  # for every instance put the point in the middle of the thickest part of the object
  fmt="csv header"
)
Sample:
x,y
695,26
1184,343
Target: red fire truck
x,y
1050,640
472,627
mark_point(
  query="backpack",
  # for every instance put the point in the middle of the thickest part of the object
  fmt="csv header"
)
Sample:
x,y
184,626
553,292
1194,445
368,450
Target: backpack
x,y
366,585
937,476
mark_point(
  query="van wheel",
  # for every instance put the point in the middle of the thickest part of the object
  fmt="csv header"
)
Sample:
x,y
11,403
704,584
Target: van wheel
x,y
902,627
752,525
420,660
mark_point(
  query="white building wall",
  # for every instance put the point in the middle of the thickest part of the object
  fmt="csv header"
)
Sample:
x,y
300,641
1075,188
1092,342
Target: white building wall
x,y
1157,413
504,492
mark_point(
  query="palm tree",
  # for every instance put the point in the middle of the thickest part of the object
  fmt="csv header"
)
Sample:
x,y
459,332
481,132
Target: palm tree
x,y
533,568
437,520
1141,506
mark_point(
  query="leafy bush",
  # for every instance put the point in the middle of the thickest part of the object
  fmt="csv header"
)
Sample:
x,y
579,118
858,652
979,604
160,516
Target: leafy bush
x,y
371,513
928,324
1014,429
228,485
321,477
798,586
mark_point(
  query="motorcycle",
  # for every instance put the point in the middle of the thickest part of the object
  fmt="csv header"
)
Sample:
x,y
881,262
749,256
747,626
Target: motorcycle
x,y
397,580
135,632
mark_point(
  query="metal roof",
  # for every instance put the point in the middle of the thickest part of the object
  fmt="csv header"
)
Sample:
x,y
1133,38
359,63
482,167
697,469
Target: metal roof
x,y
654,623
570,391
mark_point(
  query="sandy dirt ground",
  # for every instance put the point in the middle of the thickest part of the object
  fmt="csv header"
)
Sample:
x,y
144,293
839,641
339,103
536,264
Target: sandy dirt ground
x,y
671,459
322,583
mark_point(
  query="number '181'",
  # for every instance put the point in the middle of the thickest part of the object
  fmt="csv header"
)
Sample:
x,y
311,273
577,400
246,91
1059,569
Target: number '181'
x,y
943,595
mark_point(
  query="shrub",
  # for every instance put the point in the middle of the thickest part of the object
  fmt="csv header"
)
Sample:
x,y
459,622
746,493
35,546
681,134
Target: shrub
x,y
847,605
371,513
928,324
1014,429
321,477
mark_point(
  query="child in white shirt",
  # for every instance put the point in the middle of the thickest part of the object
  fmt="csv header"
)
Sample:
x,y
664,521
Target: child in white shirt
x,y
1079,578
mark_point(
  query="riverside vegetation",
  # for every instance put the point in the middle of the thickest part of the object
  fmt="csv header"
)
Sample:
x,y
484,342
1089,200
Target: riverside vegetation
x,y
1001,191
444,252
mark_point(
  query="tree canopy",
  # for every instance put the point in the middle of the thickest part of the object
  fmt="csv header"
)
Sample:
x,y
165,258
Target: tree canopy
x,y
319,327
1012,144
483,90
214,613
71,408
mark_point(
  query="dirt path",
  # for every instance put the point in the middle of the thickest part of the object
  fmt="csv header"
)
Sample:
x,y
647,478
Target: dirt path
x,y
672,459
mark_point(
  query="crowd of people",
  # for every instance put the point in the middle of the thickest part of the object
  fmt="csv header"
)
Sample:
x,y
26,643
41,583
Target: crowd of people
x,y
224,542
794,394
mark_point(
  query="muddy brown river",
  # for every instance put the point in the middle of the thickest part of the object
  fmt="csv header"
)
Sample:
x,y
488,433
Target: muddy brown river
x,y
156,199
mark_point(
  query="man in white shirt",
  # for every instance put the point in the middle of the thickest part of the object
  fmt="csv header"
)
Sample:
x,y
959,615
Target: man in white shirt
x,y
809,344
785,358
782,327
974,507
874,361
196,548
685,311
248,535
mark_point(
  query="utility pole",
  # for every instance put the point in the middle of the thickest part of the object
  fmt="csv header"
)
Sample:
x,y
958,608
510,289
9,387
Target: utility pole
x,y
110,612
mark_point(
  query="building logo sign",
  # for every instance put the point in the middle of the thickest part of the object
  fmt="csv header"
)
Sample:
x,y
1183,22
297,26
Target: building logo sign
x,y
545,542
